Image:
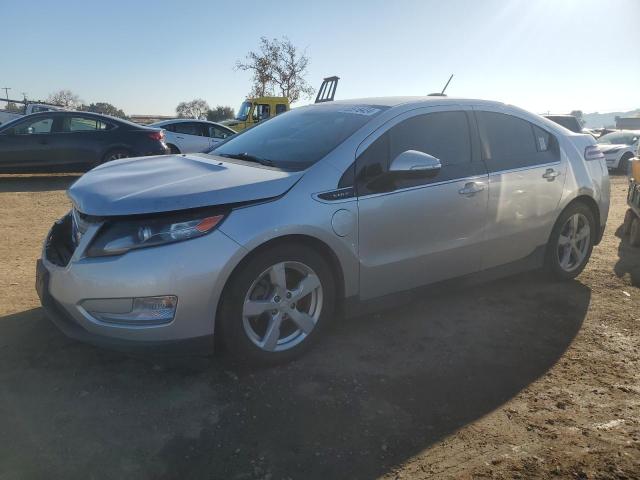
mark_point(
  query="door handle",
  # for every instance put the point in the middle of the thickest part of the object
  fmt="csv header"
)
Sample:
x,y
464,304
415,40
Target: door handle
x,y
43,141
181,138
550,174
471,188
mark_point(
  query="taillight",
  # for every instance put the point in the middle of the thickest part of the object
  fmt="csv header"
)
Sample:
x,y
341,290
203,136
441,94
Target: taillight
x,y
156,135
593,152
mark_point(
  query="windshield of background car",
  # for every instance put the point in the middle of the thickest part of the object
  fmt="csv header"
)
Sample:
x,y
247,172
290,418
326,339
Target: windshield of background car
x,y
570,123
620,138
297,139
243,111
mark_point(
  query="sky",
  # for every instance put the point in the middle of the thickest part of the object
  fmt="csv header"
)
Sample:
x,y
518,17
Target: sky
x,y
147,56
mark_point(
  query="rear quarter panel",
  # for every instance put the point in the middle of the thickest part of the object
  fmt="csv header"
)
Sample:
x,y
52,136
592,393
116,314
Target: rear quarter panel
x,y
585,177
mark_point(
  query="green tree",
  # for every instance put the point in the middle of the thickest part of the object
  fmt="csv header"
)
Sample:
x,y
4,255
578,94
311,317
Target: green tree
x,y
196,108
220,113
104,108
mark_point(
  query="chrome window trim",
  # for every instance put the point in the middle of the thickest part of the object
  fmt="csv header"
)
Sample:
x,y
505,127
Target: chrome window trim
x,y
316,195
521,169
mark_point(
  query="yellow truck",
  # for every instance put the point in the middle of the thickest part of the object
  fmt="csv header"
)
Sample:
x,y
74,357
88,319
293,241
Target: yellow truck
x,y
254,110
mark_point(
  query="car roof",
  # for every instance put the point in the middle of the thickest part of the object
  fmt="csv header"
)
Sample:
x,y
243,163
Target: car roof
x,y
60,113
184,120
419,100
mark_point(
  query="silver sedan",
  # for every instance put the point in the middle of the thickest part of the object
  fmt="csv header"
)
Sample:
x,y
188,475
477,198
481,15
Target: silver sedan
x,y
320,213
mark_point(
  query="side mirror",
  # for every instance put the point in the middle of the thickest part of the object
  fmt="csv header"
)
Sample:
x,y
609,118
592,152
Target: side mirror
x,y
413,163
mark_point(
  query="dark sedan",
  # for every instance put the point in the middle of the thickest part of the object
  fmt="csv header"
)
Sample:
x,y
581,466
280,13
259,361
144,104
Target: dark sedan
x,y
73,141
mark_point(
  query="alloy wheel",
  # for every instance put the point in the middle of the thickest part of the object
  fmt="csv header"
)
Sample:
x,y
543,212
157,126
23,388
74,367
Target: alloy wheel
x,y
117,156
573,242
282,306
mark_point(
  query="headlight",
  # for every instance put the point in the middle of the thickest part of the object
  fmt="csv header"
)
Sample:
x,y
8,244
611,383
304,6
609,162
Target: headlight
x,y
119,236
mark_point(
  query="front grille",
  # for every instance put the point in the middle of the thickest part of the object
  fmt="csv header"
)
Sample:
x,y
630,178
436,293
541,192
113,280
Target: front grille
x,y
60,245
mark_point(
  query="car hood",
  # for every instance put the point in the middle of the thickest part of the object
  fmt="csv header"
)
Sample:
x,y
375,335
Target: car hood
x,y
175,182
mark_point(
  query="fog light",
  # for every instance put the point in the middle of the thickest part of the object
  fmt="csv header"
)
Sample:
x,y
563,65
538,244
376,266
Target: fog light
x,y
145,311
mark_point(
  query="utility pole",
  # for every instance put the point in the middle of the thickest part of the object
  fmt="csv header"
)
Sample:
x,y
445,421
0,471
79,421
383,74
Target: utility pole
x,y
6,92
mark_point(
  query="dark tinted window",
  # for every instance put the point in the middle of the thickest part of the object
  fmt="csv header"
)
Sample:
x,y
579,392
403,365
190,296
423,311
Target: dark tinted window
x,y
188,128
280,108
262,111
298,138
83,124
511,142
445,135
567,121
34,126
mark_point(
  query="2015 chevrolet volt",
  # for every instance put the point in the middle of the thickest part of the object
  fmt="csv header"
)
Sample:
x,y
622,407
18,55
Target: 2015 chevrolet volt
x,y
330,205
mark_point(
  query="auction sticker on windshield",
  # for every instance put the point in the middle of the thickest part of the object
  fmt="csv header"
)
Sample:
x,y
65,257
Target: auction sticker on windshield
x,y
360,110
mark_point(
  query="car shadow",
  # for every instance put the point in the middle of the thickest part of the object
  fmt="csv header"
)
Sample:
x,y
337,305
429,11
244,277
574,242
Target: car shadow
x,y
628,259
36,183
376,391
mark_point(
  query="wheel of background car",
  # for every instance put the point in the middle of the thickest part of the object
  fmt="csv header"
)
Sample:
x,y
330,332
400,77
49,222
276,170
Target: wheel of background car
x,y
571,242
628,219
174,150
116,154
634,233
623,166
276,304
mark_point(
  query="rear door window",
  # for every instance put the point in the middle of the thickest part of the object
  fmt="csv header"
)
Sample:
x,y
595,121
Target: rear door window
x,y
83,124
510,142
188,128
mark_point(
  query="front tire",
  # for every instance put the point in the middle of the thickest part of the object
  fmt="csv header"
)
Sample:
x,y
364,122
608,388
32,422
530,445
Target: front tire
x,y
571,242
275,306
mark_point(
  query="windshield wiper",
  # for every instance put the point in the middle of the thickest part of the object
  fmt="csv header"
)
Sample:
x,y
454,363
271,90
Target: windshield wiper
x,y
248,158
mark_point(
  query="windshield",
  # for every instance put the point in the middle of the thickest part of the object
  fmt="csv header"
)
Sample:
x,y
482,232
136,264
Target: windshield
x,y
243,111
620,138
297,139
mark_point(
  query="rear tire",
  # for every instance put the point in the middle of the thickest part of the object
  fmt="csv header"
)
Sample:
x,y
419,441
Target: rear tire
x,y
634,233
623,165
173,149
571,242
116,154
288,289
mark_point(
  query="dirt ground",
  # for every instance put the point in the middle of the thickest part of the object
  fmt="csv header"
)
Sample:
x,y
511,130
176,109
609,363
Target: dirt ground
x,y
518,378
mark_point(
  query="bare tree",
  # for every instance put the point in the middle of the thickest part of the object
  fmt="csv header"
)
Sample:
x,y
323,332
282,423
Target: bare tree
x,y
290,70
196,108
261,64
65,98
220,113
579,115
279,67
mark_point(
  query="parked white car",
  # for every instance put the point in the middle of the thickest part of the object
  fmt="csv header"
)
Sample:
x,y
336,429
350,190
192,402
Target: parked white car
x,y
619,147
192,136
27,109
